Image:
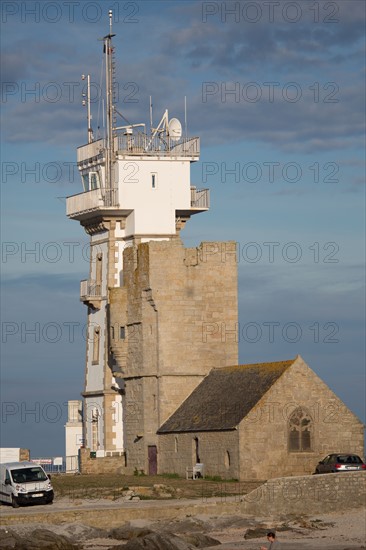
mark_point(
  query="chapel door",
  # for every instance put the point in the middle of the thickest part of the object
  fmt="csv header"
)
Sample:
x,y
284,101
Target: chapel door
x,y
152,454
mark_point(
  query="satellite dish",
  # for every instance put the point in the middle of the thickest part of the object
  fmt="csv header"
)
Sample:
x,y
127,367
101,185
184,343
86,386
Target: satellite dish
x,y
175,129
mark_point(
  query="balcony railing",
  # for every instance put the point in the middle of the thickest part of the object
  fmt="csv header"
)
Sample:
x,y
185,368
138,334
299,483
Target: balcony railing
x,y
200,198
91,201
94,150
89,289
138,144
142,144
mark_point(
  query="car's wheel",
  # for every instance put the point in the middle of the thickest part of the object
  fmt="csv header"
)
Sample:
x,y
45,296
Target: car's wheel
x,y
49,502
14,502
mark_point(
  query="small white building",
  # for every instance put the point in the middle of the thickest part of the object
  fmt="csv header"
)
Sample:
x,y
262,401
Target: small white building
x,y
73,434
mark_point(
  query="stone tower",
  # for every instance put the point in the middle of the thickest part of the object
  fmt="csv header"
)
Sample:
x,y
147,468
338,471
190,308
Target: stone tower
x,y
150,301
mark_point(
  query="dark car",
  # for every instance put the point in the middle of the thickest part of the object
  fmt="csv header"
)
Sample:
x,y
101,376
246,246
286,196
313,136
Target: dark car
x,y
340,463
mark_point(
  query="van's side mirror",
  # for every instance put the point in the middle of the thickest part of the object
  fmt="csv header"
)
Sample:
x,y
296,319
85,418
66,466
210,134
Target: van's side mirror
x,y
49,476
321,462
7,482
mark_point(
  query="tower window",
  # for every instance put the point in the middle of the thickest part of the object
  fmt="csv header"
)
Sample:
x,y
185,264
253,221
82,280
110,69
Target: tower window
x,y
98,274
154,181
90,181
122,333
94,180
96,342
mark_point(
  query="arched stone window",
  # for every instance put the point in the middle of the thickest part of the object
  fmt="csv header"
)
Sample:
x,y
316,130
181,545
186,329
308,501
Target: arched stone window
x,y
300,431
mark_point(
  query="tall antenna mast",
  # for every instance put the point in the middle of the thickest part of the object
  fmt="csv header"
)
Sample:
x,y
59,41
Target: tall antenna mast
x,y
185,116
110,67
86,101
151,116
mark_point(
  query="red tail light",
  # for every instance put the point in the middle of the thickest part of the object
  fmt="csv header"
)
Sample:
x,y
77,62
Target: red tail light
x,y
338,466
363,466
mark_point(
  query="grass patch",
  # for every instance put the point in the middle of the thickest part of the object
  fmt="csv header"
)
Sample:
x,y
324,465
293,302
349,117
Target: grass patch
x,y
112,486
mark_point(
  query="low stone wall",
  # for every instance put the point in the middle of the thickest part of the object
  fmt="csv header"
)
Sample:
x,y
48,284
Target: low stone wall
x,y
102,465
307,495
276,499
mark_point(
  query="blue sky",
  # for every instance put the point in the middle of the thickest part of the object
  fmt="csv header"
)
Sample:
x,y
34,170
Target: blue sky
x,y
276,92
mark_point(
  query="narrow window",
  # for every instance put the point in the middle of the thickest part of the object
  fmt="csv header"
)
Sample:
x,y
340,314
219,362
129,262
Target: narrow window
x,y
154,181
96,342
176,444
94,180
98,275
122,333
197,450
85,180
227,460
95,429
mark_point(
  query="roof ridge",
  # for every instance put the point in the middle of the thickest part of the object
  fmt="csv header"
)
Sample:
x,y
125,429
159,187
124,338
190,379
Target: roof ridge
x,y
287,362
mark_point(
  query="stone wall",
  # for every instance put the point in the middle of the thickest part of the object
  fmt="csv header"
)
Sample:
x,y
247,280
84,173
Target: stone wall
x,y
173,294
102,465
307,495
264,433
218,451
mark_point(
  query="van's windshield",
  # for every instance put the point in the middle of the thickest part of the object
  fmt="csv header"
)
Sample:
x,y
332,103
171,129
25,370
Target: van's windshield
x,y
25,475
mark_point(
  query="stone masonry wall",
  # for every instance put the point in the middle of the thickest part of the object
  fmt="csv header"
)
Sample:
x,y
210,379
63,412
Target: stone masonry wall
x,y
307,495
264,451
103,465
218,451
175,297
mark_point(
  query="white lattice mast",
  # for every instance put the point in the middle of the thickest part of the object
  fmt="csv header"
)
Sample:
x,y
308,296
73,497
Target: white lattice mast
x,y
110,98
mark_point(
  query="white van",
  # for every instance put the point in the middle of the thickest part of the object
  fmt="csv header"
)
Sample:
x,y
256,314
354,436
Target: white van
x,y
24,482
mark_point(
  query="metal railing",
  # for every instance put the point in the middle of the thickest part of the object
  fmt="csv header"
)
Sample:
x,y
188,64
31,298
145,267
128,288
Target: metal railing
x,y
200,198
70,464
93,150
142,144
110,197
89,289
91,200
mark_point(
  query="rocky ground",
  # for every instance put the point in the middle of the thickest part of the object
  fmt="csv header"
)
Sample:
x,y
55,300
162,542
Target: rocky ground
x,y
336,531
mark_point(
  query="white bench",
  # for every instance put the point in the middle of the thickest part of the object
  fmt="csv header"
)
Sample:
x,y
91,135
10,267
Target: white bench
x,y
196,472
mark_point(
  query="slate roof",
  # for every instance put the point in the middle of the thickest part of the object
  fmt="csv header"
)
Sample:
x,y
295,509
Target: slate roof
x,y
224,397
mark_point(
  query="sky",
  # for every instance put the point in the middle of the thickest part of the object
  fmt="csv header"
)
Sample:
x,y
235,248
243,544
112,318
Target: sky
x,y
276,91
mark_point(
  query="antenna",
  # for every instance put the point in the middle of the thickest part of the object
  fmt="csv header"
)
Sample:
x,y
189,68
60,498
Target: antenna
x,y
103,120
110,13
87,103
151,116
109,89
185,116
